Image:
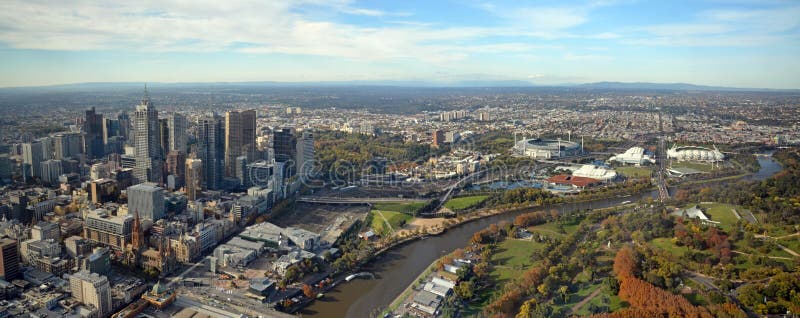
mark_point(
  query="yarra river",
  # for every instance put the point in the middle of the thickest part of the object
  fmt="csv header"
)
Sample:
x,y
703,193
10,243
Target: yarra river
x,y
398,267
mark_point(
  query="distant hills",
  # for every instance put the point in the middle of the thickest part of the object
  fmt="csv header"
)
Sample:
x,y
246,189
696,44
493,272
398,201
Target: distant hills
x,y
111,86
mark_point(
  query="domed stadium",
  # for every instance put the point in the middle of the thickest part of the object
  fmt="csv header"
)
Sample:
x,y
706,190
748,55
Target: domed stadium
x,y
695,153
546,149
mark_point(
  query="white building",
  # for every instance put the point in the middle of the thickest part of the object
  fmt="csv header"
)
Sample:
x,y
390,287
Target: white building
x,y
595,172
694,153
634,155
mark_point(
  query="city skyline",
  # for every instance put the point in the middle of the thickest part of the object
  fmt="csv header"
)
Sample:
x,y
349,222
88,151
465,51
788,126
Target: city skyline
x,y
719,43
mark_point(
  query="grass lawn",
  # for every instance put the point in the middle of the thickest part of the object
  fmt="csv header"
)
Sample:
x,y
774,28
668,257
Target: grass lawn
x,y
557,228
394,218
722,213
666,244
634,172
511,259
462,203
409,208
603,299
576,297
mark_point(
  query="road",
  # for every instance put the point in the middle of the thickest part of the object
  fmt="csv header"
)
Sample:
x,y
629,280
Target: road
x,y
187,271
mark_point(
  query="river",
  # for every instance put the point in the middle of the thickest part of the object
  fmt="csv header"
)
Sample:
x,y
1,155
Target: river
x,y
397,268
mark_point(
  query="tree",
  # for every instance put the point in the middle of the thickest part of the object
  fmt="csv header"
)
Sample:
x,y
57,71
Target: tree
x,y
308,291
563,291
464,290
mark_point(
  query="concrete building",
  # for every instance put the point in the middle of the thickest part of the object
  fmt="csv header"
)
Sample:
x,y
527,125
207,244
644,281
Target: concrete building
x,y
104,190
438,138
634,155
92,289
46,231
67,145
103,228
9,260
146,199
240,138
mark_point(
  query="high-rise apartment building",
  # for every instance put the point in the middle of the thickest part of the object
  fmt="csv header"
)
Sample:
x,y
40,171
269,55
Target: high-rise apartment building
x,y
146,199
148,155
211,149
93,140
92,289
9,260
240,138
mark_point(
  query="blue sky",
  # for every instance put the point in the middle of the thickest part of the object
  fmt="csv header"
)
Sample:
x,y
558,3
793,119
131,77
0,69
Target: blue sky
x,y
741,43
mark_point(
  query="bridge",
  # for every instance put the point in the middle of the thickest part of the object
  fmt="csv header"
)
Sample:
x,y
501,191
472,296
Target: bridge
x,y
354,201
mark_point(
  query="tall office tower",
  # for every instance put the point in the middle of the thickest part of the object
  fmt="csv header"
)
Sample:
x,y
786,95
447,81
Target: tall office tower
x,y
5,168
240,138
146,199
32,155
47,147
241,171
305,153
110,129
194,178
66,145
146,140
9,260
163,136
176,167
210,149
46,231
51,169
124,125
92,289
284,144
93,127
177,132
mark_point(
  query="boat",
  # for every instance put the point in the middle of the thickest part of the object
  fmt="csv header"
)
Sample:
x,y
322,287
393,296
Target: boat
x,y
350,277
626,202
320,295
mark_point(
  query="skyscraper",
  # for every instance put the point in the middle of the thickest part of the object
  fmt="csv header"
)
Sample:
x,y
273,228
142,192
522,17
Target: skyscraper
x,y
146,140
66,145
305,153
176,167
177,132
194,178
51,169
110,129
5,168
9,260
124,125
240,138
92,289
163,136
210,148
146,199
32,155
284,144
93,127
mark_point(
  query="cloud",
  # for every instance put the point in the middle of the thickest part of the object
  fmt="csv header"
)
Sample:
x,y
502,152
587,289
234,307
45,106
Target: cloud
x,y
721,28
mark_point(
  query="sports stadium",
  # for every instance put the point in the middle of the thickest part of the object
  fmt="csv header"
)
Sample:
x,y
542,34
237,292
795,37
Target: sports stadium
x,y
695,153
546,149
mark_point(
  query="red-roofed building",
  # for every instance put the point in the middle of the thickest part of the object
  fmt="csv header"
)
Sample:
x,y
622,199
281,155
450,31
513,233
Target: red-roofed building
x,y
578,182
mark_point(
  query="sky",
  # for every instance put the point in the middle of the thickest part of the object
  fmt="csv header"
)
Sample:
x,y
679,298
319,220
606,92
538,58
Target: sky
x,y
736,43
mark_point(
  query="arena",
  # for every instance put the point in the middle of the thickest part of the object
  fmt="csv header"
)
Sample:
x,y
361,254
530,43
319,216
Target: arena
x,y
695,153
546,149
